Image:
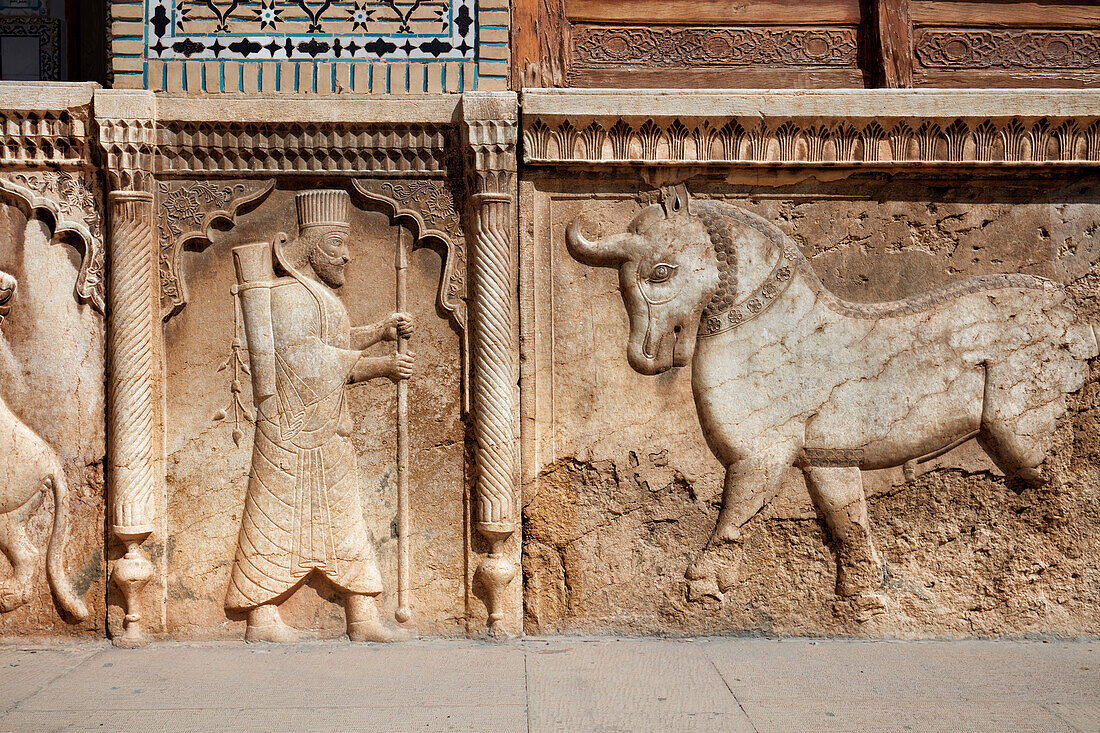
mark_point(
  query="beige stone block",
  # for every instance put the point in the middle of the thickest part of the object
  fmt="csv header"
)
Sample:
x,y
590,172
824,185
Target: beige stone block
x,y
176,72
343,78
451,74
128,81
125,28
435,78
128,11
360,76
468,75
213,75
267,75
128,64
494,52
193,73
284,78
322,78
491,83
498,35
251,73
134,46
378,78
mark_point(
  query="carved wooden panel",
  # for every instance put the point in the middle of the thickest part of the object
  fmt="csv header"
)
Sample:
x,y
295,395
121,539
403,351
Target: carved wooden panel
x,y
773,44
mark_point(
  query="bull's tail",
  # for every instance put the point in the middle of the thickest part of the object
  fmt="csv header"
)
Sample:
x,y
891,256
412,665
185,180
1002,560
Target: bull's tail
x,y
55,555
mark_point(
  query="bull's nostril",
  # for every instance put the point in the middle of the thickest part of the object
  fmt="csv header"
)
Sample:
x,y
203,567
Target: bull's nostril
x,y
676,330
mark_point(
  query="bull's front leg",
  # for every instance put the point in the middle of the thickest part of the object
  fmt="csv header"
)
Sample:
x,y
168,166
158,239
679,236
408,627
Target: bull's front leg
x,y
838,494
751,484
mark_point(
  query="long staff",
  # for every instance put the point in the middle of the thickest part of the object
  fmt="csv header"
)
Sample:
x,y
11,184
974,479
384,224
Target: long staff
x,y
403,613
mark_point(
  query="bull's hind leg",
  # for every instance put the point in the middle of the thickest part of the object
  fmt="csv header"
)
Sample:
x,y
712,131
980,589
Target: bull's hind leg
x,y
838,494
1015,451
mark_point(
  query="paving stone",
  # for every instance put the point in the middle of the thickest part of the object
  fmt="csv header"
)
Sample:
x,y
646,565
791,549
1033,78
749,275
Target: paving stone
x,y
303,675
762,670
26,669
630,685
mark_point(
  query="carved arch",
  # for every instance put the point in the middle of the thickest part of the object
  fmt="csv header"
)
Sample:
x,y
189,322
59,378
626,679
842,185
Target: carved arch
x,y
429,209
72,201
185,213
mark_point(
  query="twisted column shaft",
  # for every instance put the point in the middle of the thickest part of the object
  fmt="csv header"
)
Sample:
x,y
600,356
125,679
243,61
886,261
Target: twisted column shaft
x,y
130,363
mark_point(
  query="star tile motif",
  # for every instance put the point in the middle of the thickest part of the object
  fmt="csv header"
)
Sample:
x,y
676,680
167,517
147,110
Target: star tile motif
x,y
312,30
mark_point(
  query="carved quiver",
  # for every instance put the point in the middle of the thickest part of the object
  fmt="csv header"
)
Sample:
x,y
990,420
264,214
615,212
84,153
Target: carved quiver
x,y
255,278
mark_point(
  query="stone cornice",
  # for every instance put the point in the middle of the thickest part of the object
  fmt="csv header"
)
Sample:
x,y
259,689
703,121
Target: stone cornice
x,y
286,135
45,125
880,128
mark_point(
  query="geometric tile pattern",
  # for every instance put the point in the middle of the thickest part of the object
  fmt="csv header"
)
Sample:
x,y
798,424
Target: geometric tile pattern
x,y
310,46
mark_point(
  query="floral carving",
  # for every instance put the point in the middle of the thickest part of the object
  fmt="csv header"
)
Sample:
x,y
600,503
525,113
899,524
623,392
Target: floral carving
x,y
186,212
72,198
1004,49
597,46
431,203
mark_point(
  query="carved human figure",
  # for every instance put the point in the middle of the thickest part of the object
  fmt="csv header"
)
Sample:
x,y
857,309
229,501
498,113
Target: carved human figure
x,y
303,513
785,374
28,468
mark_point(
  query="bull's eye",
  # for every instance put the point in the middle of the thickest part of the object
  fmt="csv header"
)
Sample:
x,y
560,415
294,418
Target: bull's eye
x,y
662,273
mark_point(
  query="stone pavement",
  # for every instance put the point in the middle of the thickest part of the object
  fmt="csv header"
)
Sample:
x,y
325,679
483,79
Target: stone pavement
x,y
556,684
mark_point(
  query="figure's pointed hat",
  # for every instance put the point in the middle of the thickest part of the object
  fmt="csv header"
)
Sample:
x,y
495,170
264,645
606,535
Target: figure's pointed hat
x,y
324,207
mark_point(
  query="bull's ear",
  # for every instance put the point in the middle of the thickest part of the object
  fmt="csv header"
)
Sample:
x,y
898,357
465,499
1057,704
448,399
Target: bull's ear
x,y
607,252
675,200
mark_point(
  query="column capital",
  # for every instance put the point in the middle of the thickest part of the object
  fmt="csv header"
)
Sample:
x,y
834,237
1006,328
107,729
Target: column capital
x,y
127,123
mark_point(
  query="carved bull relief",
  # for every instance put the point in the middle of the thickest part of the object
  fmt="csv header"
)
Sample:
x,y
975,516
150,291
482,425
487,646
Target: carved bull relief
x,y
785,374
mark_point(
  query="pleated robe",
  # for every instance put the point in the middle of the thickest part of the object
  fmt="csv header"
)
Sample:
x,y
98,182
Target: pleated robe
x,y
303,511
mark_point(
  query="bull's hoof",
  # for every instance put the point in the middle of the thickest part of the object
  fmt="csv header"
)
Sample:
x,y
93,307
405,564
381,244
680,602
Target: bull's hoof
x,y
714,572
13,598
704,590
725,534
868,606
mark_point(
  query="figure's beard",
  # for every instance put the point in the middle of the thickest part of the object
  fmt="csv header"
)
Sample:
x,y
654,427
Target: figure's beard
x,y
331,273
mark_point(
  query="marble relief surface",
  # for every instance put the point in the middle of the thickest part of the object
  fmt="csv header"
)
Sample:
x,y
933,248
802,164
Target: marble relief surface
x,y
51,436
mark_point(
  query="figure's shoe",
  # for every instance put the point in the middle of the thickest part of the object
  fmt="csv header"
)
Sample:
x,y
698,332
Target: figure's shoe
x,y
365,623
376,631
266,625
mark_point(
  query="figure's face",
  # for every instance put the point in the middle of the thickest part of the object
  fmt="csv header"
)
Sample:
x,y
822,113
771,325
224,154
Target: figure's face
x,y
328,253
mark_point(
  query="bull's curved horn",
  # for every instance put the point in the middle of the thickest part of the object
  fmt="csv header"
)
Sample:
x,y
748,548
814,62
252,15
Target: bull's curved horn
x,y
606,252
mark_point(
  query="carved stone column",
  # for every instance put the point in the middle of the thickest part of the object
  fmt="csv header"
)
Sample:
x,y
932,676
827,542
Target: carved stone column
x,y
489,133
127,134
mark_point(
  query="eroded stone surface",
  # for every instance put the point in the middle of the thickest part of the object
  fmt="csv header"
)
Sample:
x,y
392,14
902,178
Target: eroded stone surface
x,y
627,493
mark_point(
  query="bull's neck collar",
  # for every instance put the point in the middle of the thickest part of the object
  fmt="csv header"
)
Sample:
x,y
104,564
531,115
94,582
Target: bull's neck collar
x,y
756,302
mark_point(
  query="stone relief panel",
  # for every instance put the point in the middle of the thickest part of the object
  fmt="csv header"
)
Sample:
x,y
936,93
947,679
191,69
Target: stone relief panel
x,y
316,443
941,486
51,436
